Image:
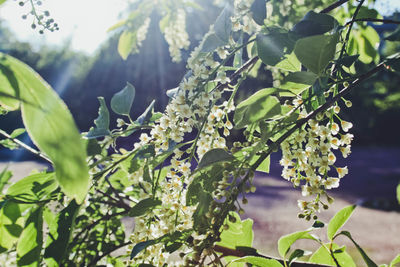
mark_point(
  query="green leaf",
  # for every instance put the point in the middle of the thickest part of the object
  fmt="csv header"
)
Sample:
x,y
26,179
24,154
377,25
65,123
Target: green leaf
x,y
259,106
395,261
35,187
257,261
318,224
30,243
51,127
264,166
215,155
5,175
102,122
223,24
140,246
144,206
367,13
339,220
290,63
286,241
17,132
259,11
394,36
11,223
314,24
126,43
398,193
368,42
239,234
297,82
60,230
121,102
2,1
367,259
347,61
117,25
315,52
272,48
145,117
298,253
211,42
323,256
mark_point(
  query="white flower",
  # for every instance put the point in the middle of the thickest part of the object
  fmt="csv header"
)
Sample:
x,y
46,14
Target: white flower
x,y
346,125
342,171
331,182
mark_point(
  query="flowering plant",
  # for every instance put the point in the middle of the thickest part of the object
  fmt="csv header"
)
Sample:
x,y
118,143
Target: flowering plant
x,y
182,181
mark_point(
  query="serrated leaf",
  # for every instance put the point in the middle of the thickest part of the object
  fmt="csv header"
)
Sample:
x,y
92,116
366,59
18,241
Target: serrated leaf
x,y
35,187
51,127
314,24
223,24
317,51
271,48
11,223
60,229
126,43
121,102
215,155
144,206
259,11
323,256
367,260
102,122
257,261
286,241
30,243
146,115
339,220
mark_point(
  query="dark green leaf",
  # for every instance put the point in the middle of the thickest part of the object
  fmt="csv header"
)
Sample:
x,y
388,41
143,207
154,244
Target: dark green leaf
x,y
140,246
11,222
394,36
367,13
92,147
211,42
35,187
121,102
144,206
146,114
192,194
272,48
318,224
30,243
102,122
60,233
5,175
368,261
314,24
213,156
298,253
347,61
339,220
286,241
223,24
200,223
259,11
317,51
323,256
50,126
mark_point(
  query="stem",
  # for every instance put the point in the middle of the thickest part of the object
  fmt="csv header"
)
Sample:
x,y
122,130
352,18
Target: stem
x,y
386,21
333,6
25,146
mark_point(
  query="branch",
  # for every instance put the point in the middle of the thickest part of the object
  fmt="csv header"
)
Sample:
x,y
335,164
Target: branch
x,y
25,146
239,253
333,6
386,21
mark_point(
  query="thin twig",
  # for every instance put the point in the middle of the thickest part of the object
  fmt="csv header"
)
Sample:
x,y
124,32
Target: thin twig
x,y
333,6
386,21
25,146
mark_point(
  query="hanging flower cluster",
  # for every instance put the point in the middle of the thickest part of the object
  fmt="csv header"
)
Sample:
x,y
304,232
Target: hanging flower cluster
x,y
176,35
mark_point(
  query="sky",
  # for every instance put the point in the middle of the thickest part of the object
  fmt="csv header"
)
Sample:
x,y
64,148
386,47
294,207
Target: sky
x,y
85,22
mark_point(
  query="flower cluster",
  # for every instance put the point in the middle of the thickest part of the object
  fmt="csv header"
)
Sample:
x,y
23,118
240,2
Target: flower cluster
x,y
176,35
142,32
308,159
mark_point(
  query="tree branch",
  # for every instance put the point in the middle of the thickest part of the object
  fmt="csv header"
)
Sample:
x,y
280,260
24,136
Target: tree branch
x,y
386,21
333,6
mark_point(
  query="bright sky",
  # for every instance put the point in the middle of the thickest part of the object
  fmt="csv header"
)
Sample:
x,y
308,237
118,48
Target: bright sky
x,y
86,21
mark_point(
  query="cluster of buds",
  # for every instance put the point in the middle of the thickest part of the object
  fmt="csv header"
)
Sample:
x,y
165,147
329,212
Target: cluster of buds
x,y
41,18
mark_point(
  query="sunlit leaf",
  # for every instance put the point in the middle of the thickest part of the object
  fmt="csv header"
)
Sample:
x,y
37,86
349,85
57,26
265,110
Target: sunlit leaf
x,y
286,241
367,260
323,256
271,48
121,102
290,63
339,220
30,243
398,193
315,52
117,25
102,122
264,166
126,43
5,175
213,156
257,261
51,127
11,225
395,261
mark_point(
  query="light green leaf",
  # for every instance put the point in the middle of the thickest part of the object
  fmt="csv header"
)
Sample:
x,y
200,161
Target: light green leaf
x,y
126,43
60,229
323,256
258,261
144,206
121,102
272,48
102,122
117,25
395,261
260,105
297,82
215,155
239,234
30,243
17,132
315,52
211,42
398,193
290,63
286,241
339,220
2,1
51,127
11,223
5,175
264,166
223,24
259,11
368,44
368,261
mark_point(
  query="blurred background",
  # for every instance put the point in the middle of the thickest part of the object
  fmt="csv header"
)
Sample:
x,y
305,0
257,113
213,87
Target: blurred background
x,y
81,62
